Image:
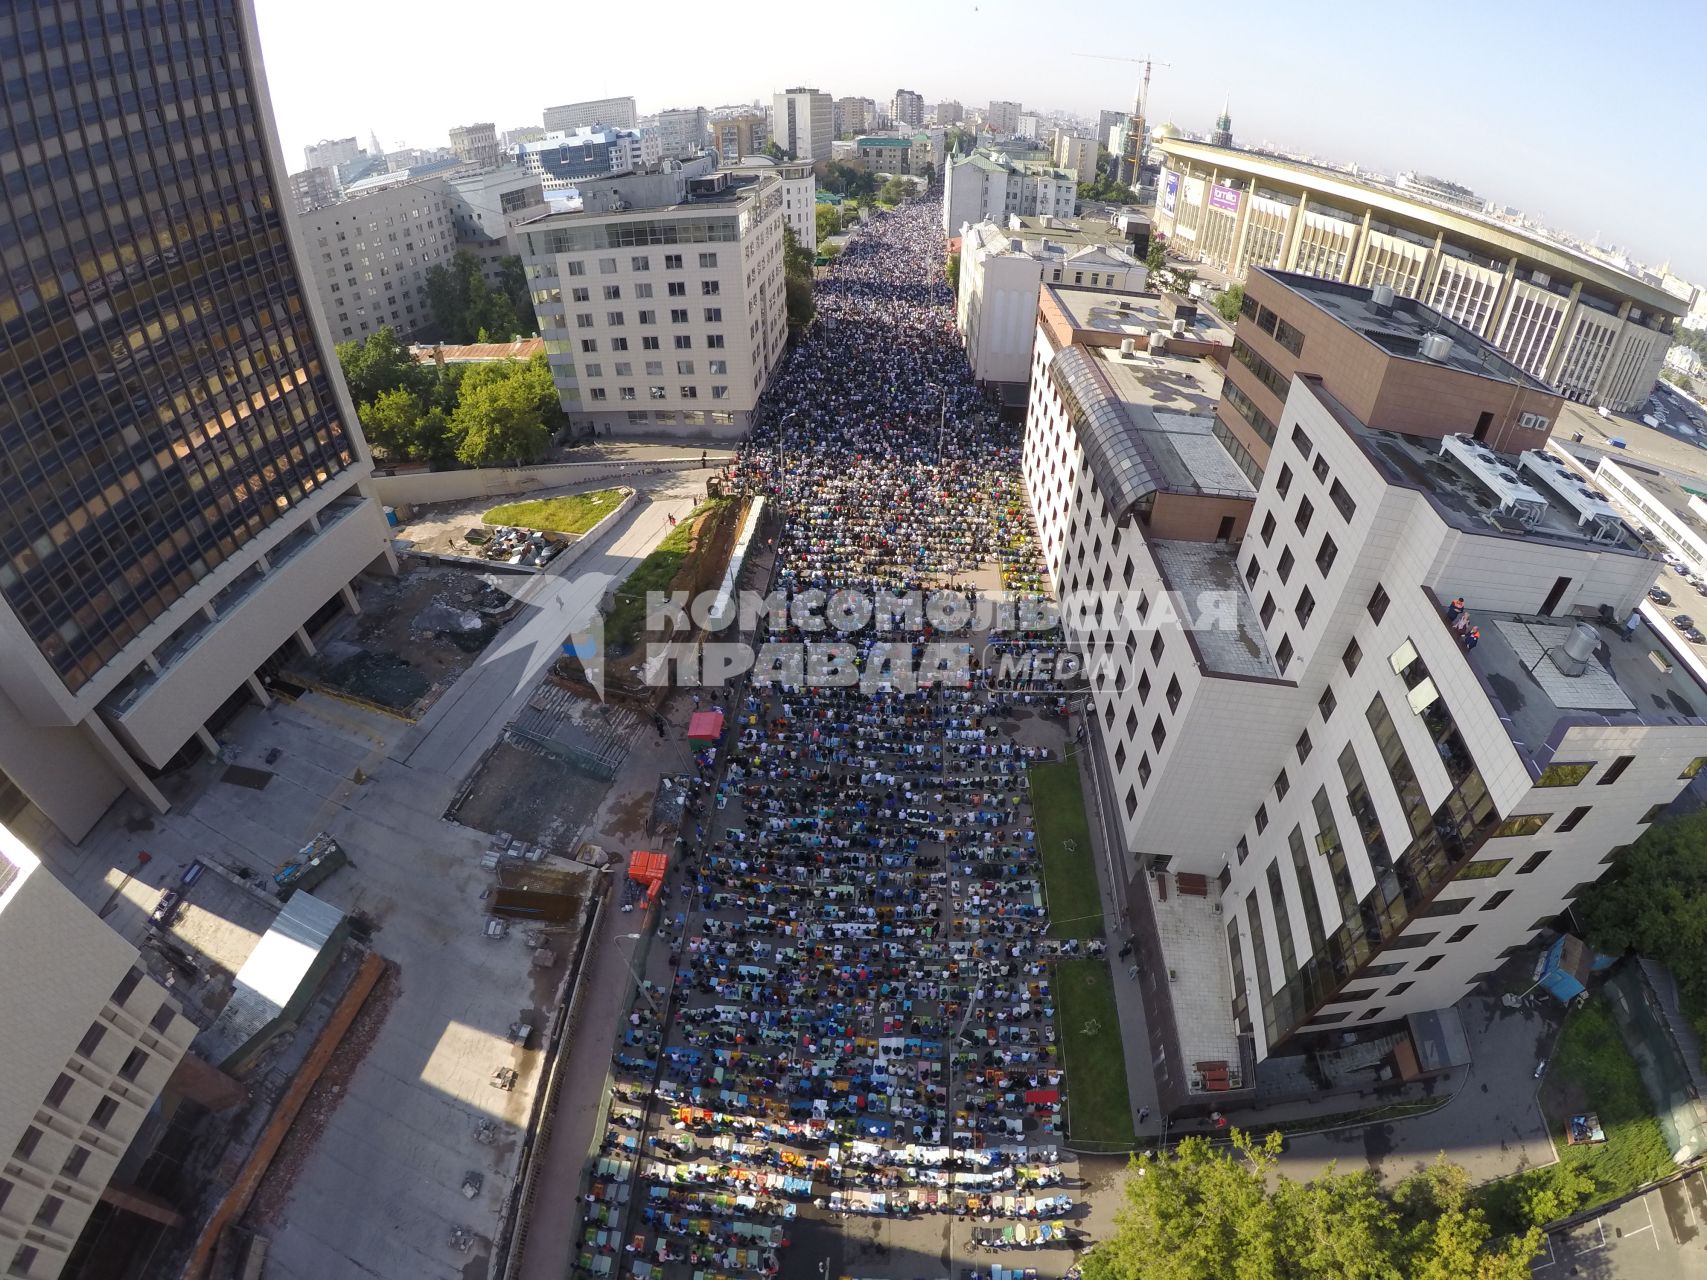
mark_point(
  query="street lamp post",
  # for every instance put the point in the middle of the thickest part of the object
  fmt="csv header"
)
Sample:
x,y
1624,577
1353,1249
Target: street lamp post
x,y
640,983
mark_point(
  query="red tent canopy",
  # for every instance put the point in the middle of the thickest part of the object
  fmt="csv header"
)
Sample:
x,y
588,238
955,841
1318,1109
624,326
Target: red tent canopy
x,y
706,726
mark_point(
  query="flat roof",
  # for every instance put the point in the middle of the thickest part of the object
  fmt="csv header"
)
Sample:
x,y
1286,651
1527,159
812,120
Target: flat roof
x,y
1130,313
1399,329
1416,462
1678,451
1474,226
1193,568
1626,681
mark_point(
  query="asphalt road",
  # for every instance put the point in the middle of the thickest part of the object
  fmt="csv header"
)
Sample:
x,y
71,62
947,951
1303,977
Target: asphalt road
x,y
1658,1236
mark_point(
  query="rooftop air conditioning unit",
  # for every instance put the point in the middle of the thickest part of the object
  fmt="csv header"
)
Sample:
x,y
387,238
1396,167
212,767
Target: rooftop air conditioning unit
x,y
1128,347
1179,329
1436,347
1381,297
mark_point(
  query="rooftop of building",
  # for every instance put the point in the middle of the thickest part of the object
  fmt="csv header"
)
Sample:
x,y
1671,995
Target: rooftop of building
x,y
1521,662
1195,570
1529,242
1642,448
739,186
1193,936
478,352
1130,314
1400,325
1462,499
1059,236
880,141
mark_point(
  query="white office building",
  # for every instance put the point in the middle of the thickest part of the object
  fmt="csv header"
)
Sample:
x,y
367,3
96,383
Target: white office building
x,y
682,131
90,1044
485,209
1076,153
329,153
799,195
615,113
1002,267
661,302
1002,118
802,124
990,184
1339,815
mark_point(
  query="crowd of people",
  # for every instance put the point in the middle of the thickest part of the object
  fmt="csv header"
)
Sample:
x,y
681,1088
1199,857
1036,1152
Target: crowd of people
x,y
861,1019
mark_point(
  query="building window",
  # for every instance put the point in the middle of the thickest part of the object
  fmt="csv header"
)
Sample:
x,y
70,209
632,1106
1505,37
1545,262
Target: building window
x,y
1378,603
1281,786
91,1040
1304,746
104,1112
1614,771
127,984
1533,861
1563,775
1144,770
1483,868
1156,647
1267,530
1319,468
1306,607
1251,571
1521,824
1494,900
1283,655
640,262
1306,512
27,1144
1173,693
1693,767
1284,568
1325,555
1131,801
48,1211
709,288
672,262
1266,613
1428,964
74,1162
162,1018
1143,687
1654,811
1158,733
1342,500
1262,818
1283,482
1326,704
707,260
1571,819
1242,849
613,292
1399,988
589,346
1446,907
1301,441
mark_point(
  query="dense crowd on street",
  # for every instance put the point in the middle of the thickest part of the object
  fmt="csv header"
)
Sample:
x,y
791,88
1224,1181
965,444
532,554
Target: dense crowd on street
x,y
860,1017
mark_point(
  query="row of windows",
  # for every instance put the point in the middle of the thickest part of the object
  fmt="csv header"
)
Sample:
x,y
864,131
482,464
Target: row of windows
x,y
1266,373
680,342
617,319
620,235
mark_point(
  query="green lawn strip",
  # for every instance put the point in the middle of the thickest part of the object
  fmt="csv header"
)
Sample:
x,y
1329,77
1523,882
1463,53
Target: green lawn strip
x,y
1069,875
1099,1110
572,513
1592,1070
627,617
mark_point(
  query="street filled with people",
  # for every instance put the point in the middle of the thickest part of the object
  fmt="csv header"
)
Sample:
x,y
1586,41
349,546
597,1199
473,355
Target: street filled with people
x,y
858,1017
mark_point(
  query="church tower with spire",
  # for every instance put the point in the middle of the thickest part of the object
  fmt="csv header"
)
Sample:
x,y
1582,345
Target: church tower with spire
x,y
1223,135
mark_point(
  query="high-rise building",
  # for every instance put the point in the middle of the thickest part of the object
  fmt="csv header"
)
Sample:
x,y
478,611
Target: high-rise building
x,y
1107,120
1002,119
1222,136
561,159
311,188
799,196
614,113
681,131
907,108
91,1042
801,124
850,117
486,208
475,144
329,153
661,300
1076,153
739,134
203,496
950,112
1350,804
371,253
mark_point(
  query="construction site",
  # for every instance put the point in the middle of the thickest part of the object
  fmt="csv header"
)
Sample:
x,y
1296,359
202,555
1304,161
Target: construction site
x,y
377,904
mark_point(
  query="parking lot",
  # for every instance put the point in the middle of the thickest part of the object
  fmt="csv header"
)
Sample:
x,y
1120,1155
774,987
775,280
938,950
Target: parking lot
x,y
1657,1236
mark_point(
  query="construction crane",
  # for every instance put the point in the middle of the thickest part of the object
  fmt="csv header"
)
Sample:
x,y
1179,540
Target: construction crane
x,y
1132,158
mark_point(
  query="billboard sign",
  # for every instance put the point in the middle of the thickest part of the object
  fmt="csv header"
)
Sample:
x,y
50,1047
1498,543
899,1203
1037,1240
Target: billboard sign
x,y
1224,198
1170,194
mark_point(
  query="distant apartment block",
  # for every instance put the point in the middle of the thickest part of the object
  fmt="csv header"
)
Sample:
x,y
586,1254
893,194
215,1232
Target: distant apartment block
x,y
311,188
180,533
851,116
991,184
616,113
744,134
947,113
681,131
475,144
799,195
907,108
329,153
1002,119
1076,153
563,159
661,302
370,255
801,124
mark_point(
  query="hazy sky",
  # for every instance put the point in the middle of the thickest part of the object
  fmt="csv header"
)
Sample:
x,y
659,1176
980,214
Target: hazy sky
x,y
1585,115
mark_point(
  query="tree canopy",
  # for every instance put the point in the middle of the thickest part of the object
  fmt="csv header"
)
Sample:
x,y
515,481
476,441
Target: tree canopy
x,y
797,281
498,421
467,309
378,363
829,221
1654,901
1229,301
1207,1212
846,179
895,190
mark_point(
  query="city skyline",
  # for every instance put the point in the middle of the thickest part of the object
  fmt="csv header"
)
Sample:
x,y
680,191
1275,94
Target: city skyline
x,y
1566,157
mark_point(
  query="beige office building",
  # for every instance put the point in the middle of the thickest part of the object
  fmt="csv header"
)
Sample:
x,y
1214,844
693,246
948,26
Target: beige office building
x,y
90,1042
1598,335
661,301
614,113
475,144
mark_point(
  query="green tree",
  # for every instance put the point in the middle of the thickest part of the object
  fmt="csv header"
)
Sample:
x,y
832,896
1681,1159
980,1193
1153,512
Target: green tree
x,y
399,424
1654,902
953,270
895,191
1157,258
1207,1212
1229,301
498,422
465,308
829,221
927,171
797,281
380,363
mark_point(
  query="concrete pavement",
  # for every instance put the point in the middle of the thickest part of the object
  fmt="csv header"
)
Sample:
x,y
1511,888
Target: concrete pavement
x,y
1656,1236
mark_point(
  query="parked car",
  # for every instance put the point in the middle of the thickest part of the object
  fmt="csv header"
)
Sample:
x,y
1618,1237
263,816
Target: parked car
x,y
166,910
1659,595
1683,622
1694,636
